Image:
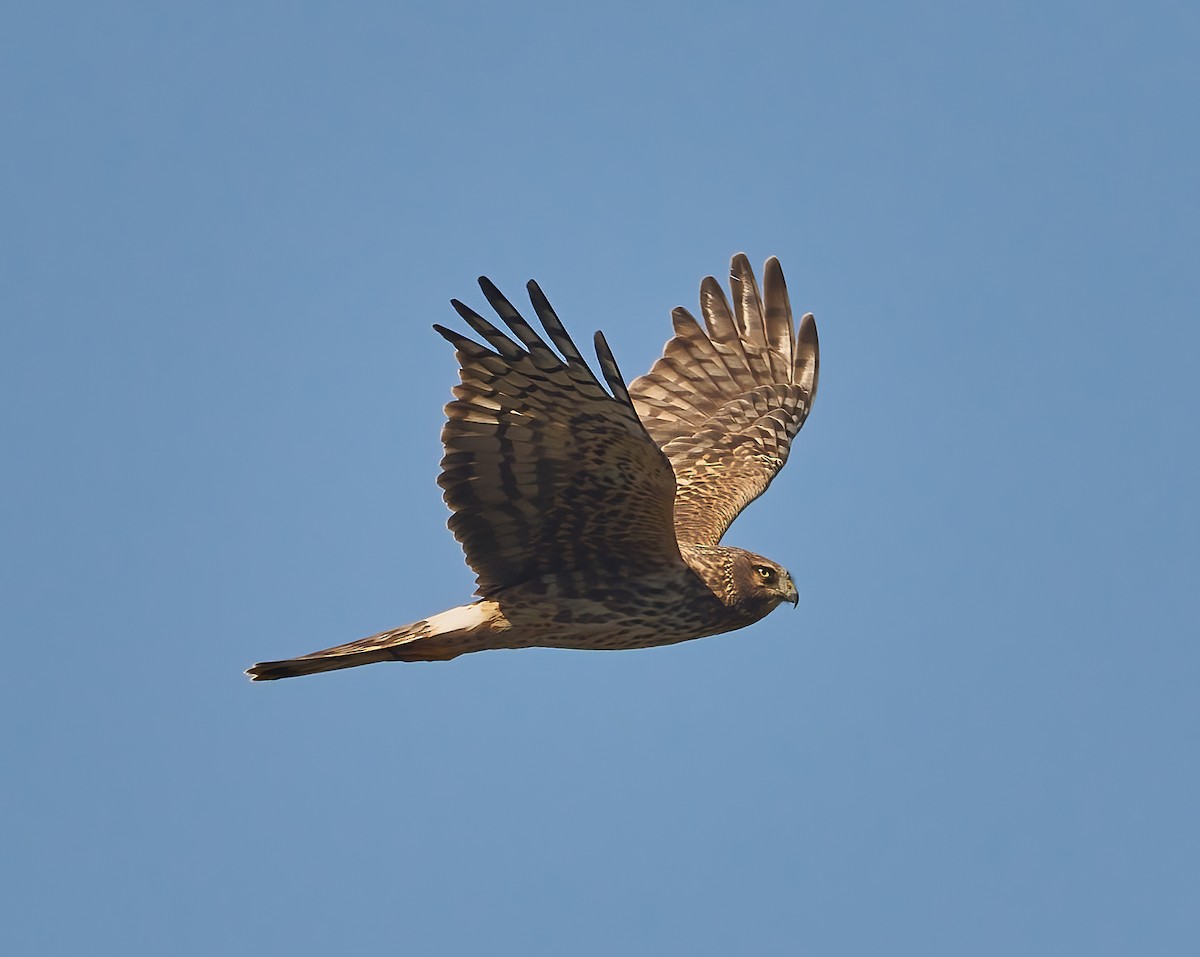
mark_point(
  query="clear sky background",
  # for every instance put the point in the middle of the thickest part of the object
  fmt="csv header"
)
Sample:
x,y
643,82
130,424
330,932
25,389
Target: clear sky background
x,y
226,231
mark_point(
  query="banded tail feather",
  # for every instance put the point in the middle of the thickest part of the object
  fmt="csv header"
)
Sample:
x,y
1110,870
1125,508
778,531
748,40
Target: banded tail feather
x,y
438,638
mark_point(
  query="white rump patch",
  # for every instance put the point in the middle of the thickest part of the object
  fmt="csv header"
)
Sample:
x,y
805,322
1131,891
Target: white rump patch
x,y
464,617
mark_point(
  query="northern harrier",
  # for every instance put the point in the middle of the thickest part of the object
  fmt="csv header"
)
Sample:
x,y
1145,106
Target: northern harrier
x,y
593,518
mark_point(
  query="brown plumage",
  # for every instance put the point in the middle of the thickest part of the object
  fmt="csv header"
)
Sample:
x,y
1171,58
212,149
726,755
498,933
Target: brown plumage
x,y
592,517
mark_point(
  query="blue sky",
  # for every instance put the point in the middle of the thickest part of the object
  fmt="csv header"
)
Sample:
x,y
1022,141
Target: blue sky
x,y
227,231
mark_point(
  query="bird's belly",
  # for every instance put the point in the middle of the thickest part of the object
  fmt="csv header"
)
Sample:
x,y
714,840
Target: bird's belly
x,y
613,616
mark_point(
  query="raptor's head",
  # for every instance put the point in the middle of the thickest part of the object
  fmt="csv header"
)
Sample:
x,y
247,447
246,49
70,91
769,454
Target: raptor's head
x,y
759,580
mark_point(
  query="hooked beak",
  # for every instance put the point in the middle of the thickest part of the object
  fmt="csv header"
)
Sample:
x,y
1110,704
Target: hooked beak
x,y
791,594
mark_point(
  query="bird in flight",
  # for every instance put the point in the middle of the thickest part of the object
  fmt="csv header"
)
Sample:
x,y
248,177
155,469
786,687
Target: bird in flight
x,y
593,517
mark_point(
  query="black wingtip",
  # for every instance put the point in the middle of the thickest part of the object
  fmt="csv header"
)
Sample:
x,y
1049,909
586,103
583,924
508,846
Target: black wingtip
x,y
610,370
460,342
541,305
808,331
489,288
808,352
498,301
773,272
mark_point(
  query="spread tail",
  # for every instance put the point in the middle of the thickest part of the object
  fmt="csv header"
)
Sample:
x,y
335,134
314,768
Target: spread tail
x,y
439,638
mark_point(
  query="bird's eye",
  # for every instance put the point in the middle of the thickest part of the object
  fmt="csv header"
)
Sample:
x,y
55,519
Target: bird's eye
x,y
765,573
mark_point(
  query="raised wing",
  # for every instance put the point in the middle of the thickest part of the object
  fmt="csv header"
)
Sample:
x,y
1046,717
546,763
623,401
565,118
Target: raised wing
x,y
725,401
545,471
